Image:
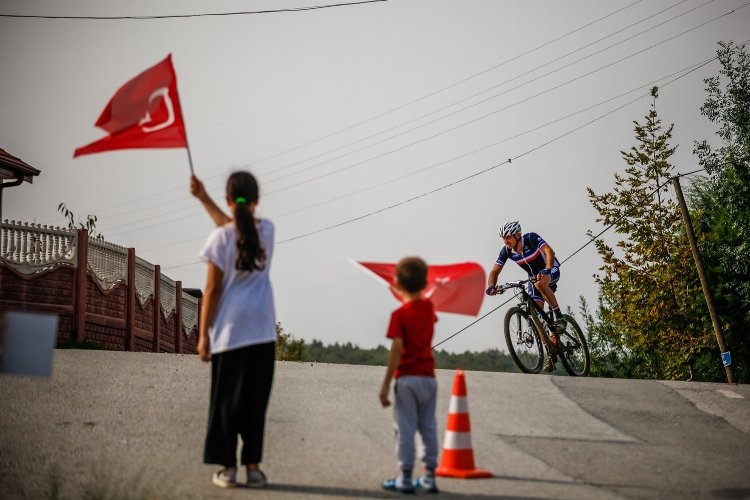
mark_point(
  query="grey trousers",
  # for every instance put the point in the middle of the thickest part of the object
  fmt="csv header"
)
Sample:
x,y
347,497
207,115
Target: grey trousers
x,y
414,411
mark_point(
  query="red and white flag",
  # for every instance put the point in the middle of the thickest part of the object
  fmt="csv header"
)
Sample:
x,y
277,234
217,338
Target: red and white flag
x,y
453,288
143,113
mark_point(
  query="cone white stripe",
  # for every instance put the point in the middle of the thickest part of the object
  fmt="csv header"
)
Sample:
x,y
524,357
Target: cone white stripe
x,y
458,404
457,440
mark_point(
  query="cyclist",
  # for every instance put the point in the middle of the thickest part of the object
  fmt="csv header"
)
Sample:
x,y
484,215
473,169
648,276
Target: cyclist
x,y
537,258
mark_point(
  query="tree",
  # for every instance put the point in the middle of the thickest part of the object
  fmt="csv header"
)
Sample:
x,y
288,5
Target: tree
x,y
287,347
90,224
721,202
650,303
608,358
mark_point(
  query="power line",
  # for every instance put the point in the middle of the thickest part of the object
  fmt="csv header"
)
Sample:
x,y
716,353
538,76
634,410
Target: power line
x,y
361,162
685,70
276,216
347,167
472,323
476,174
557,120
206,14
482,92
403,105
507,107
594,238
443,89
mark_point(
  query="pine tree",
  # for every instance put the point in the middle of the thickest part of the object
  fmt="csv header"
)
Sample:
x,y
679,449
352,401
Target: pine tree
x,y
649,290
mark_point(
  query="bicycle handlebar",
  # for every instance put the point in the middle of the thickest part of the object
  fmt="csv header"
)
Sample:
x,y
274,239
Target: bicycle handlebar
x,y
514,284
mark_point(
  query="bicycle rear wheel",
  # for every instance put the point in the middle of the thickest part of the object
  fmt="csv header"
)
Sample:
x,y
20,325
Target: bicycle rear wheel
x,y
523,341
574,352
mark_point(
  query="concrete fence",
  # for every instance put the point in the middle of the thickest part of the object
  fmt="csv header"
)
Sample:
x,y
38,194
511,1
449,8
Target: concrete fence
x,y
102,293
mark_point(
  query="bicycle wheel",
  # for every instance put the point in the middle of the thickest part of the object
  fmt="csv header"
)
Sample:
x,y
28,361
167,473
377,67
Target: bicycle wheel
x,y
574,352
523,341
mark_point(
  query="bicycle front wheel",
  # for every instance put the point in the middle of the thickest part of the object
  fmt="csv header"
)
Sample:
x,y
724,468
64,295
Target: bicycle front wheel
x,y
523,341
574,352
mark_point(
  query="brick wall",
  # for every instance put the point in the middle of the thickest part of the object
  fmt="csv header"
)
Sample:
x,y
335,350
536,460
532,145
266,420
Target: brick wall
x,y
45,290
67,286
53,291
49,291
189,344
144,315
110,303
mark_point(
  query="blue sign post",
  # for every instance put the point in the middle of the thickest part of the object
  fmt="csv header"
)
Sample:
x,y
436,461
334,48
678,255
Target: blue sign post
x,y
726,357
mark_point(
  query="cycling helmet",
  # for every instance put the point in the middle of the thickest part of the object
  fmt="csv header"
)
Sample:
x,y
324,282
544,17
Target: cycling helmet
x,y
510,228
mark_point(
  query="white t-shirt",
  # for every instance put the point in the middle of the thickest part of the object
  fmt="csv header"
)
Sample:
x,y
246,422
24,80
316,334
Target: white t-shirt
x,y
245,314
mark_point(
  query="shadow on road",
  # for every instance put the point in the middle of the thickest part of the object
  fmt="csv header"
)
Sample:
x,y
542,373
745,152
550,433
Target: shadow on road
x,y
363,493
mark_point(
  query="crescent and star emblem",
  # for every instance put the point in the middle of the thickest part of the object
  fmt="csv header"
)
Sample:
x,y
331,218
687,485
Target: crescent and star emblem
x,y
162,93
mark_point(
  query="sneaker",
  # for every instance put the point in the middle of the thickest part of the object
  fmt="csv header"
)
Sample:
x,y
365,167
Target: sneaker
x,y
426,484
256,479
548,364
399,484
224,479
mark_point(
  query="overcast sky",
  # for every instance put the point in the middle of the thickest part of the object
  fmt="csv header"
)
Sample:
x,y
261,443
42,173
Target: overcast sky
x,y
344,112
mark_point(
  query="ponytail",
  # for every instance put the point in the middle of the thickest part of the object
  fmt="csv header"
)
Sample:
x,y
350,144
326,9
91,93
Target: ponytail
x,y
242,188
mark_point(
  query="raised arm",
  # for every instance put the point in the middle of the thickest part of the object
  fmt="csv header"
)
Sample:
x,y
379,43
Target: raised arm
x,y
199,191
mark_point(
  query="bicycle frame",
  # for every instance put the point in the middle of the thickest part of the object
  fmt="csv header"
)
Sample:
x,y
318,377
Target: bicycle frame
x,y
570,344
535,312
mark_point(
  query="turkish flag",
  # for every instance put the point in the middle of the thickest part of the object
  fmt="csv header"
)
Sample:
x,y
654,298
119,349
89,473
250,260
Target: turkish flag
x,y
143,113
454,288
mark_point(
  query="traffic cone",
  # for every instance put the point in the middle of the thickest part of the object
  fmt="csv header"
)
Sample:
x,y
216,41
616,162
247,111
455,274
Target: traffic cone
x,y
457,459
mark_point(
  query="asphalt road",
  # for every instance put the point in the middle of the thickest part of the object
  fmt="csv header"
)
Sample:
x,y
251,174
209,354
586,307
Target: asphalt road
x,y
131,425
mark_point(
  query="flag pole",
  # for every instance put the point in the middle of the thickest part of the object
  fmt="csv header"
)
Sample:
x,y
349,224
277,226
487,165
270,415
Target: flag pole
x,y
190,157
187,143
184,122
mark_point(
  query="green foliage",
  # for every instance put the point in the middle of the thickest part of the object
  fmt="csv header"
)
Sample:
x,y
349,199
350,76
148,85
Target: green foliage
x,y
89,225
489,360
651,320
345,354
287,347
608,354
721,203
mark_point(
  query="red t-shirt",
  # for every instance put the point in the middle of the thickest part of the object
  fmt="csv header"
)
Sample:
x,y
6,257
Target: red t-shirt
x,y
414,324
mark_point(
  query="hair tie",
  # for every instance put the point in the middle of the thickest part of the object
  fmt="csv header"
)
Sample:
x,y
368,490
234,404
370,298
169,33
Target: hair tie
x,y
240,199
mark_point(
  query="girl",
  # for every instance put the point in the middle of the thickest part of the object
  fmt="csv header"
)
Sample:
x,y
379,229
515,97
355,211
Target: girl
x,y
237,331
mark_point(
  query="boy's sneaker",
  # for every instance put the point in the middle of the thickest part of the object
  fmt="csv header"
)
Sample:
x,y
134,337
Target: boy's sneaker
x,y
223,479
256,479
548,364
426,484
399,484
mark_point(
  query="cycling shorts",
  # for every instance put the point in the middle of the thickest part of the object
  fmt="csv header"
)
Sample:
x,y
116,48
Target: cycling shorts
x,y
554,276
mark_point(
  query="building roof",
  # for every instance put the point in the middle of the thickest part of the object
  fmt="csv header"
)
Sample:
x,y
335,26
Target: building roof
x,y
13,168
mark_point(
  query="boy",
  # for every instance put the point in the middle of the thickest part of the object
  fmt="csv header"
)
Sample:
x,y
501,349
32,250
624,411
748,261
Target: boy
x,y
413,366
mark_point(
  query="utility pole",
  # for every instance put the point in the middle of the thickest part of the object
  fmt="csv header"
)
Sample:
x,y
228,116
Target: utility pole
x,y
725,355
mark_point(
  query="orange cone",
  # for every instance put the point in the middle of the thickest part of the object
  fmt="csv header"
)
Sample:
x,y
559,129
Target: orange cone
x,y
457,459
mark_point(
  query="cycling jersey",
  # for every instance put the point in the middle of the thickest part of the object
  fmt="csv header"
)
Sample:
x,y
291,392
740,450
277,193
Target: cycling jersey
x,y
532,259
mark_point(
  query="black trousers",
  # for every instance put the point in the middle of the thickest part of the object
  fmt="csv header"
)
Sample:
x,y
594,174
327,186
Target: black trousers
x,y
240,387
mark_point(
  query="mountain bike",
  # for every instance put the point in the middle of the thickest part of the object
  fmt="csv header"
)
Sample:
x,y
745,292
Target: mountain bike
x,y
530,332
